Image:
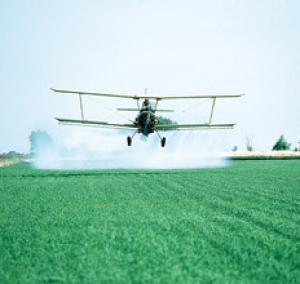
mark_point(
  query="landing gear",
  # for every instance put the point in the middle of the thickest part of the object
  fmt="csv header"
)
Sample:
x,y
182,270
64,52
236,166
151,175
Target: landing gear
x,y
129,141
163,142
129,138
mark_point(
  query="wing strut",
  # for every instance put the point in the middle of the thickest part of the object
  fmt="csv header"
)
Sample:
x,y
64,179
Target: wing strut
x,y
81,106
138,104
212,110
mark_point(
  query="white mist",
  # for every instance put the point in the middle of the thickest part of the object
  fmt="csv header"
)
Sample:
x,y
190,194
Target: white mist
x,y
84,148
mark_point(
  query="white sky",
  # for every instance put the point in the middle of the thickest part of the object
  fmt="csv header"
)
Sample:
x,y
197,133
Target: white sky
x,y
170,47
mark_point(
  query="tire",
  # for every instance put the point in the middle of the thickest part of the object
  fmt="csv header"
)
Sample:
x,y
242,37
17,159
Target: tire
x,y
129,141
163,142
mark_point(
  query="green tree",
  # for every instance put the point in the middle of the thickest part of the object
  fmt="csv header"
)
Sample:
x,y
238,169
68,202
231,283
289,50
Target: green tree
x,y
165,120
281,144
249,144
39,140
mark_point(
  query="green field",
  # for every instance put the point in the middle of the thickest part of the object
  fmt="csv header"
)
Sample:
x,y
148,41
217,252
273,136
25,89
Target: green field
x,y
228,225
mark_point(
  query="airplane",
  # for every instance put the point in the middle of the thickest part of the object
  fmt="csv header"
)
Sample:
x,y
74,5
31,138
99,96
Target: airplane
x,y
146,121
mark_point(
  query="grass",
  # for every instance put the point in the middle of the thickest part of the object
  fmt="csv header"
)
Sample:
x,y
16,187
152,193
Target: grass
x,y
239,224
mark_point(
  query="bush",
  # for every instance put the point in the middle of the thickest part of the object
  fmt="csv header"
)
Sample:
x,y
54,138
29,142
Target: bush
x,y
234,149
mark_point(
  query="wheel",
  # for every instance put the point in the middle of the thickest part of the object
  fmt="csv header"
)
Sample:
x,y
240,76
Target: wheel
x,y
163,142
129,141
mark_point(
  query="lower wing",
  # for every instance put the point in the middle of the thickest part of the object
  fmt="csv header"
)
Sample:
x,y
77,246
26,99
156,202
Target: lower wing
x,y
174,127
95,123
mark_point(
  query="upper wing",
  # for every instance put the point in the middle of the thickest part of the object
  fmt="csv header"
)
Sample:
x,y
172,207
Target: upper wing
x,y
144,96
94,94
95,123
165,127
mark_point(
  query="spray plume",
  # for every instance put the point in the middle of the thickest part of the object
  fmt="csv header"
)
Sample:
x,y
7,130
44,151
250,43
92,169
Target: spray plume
x,y
106,149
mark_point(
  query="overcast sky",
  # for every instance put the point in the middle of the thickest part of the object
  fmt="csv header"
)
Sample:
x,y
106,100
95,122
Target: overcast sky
x,y
170,47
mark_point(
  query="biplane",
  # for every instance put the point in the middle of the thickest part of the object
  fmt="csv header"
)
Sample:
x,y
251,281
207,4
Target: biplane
x,y
146,121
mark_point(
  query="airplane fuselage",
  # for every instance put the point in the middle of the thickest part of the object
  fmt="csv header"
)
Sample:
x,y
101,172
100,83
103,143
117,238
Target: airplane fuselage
x,y
146,119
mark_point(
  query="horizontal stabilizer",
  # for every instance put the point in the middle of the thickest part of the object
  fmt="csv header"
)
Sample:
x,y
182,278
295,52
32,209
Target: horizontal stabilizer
x,y
164,110
127,109
136,109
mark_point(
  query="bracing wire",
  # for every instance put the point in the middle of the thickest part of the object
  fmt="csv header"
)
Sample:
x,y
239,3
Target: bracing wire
x,y
180,113
116,112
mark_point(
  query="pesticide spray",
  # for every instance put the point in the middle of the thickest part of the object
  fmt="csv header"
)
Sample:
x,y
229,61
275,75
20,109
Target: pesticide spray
x,y
84,148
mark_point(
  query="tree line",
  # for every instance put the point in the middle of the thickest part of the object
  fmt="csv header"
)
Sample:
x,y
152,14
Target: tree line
x,y
40,138
280,145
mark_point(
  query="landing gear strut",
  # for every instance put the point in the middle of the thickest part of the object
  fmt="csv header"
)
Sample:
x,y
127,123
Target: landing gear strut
x,y
129,138
163,140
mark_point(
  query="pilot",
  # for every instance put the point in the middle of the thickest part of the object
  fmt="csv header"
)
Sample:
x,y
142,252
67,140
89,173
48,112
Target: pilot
x,y
146,104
